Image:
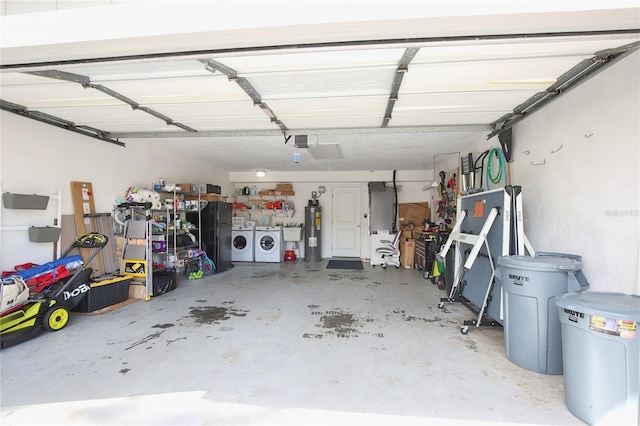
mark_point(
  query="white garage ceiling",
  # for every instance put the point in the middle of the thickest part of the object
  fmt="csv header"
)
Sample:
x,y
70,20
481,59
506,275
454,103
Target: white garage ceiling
x,y
383,102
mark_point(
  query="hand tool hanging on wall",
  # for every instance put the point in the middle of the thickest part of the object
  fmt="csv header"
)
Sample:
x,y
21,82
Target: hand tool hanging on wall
x,y
441,185
468,173
480,160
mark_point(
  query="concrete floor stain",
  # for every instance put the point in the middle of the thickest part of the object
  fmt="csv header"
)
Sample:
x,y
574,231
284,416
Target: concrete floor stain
x,y
145,340
358,277
175,340
168,325
271,275
406,317
341,324
312,336
214,314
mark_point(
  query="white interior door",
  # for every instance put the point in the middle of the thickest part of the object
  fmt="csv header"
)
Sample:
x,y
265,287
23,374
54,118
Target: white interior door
x,y
346,221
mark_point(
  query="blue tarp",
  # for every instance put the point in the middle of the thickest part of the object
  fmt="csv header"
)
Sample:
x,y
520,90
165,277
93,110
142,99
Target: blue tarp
x,y
50,266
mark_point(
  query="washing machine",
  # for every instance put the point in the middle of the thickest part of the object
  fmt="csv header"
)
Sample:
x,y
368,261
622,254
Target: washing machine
x,y
242,241
269,244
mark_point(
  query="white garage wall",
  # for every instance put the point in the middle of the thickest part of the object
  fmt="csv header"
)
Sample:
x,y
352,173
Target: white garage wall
x,y
409,185
42,159
577,161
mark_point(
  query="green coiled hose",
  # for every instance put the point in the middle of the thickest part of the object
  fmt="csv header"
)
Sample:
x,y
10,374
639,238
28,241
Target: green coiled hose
x,y
501,164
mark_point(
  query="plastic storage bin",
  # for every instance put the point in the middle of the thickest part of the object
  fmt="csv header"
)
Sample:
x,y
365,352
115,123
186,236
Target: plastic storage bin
x,y
25,201
44,234
531,324
105,293
164,281
601,358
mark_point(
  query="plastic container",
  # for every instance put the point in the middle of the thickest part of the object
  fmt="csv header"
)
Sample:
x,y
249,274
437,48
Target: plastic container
x,y
531,324
105,293
25,201
601,356
44,234
164,282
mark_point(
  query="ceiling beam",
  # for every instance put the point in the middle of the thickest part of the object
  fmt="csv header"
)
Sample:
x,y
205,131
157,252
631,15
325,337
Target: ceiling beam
x,y
85,82
58,122
403,67
213,66
351,131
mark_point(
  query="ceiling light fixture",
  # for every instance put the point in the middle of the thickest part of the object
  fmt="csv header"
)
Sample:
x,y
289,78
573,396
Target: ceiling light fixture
x,y
261,173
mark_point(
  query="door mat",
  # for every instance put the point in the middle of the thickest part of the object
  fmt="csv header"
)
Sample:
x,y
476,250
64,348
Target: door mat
x,y
345,264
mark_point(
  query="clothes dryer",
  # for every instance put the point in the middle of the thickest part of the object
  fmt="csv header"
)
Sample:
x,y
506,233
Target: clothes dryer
x,y
242,244
269,244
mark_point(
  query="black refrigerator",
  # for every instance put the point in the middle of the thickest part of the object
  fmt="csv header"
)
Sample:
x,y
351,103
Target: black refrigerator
x,y
214,223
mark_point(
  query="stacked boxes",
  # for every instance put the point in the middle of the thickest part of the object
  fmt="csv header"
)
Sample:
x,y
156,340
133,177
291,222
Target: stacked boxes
x,y
412,217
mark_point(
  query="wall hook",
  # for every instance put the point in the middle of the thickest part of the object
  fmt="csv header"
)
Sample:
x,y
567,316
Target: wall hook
x,y
556,150
544,161
588,135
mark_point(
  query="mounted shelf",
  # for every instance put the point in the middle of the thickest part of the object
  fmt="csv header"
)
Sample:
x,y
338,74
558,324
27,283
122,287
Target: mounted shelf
x,y
44,234
276,201
275,193
24,201
42,215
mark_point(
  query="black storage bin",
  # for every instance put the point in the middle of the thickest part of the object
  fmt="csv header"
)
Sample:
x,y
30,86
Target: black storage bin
x,y
164,281
104,293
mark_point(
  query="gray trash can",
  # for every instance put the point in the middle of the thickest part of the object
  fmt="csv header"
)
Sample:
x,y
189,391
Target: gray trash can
x,y
601,356
531,325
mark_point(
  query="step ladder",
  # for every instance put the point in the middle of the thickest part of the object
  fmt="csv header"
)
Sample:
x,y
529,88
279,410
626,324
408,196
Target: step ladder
x,y
137,259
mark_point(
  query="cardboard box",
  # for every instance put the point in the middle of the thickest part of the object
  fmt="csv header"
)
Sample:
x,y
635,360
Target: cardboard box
x,y
204,197
184,187
408,232
413,213
407,253
284,187
137,290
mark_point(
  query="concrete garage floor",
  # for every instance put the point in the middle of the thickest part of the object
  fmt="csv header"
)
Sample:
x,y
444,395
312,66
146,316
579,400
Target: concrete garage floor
x,y
290,343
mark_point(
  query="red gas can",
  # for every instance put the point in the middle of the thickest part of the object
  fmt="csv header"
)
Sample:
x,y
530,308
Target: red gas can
x,y
289,255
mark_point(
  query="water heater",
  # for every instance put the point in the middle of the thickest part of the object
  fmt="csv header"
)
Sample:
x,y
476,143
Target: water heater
x,y
312,224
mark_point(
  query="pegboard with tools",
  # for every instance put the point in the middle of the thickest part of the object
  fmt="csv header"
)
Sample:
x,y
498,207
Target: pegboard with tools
x,y
448,193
